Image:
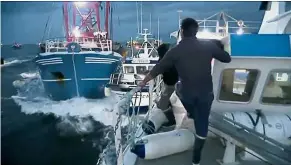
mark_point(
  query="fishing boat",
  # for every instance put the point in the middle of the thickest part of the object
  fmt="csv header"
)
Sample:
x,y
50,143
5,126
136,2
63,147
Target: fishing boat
x,y
16,45
255,120
80,64
134,69
135,44
141,58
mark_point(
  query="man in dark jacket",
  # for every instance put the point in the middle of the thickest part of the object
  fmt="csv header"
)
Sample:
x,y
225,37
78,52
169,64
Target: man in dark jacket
x,y
170,78
192,60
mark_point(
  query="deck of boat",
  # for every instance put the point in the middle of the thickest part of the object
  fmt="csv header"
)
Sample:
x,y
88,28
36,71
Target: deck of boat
x,y
212,152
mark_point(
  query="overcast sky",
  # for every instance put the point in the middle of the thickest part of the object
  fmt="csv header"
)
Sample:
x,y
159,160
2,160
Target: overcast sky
x,y
24,22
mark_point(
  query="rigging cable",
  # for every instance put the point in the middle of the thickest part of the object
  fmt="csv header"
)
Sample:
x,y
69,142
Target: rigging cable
x,y
47,23
111,22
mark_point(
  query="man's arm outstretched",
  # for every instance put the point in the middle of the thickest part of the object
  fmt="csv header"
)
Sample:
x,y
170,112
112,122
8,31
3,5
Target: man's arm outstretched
x,y
166,63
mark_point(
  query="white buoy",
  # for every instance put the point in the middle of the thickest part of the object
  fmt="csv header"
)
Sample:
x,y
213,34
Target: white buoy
x,y
163,144
156,119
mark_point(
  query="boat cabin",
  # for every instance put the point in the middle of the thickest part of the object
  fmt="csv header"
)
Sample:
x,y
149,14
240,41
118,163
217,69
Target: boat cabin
x,y
133,71
258,77
137,66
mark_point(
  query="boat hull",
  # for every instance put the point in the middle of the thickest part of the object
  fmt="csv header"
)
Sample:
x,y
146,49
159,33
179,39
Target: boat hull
x,y
68,75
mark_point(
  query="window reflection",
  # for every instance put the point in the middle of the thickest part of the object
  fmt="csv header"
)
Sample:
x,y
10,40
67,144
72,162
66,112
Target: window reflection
x,y
278,88
238,84
128,69
141,69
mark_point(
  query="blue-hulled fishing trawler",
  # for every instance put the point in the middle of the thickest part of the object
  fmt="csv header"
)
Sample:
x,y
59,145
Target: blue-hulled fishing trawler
x,y
81,64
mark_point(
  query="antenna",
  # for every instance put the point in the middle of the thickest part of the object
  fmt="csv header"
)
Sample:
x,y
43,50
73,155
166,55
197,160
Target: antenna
x,y
141,17
137,20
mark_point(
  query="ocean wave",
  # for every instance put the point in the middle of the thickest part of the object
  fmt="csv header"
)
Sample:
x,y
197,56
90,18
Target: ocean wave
x,y
32,98
13,62
26,75
77,115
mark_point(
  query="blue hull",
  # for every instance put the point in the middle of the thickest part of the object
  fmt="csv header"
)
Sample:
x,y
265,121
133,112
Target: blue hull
x,y
68,75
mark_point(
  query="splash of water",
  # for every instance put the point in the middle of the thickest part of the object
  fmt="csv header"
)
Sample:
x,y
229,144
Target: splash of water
x,y
13,62
32,99
75,113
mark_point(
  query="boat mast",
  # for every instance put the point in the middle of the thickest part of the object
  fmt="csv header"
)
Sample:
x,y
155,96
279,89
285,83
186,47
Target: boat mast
x,y
107,17
141,17
137,20
111,22
158,31
145,38
150,22
179,21
66,18
131,42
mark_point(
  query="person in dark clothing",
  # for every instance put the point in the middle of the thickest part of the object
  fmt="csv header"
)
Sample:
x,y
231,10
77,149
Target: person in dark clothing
x,y
170,78
192,60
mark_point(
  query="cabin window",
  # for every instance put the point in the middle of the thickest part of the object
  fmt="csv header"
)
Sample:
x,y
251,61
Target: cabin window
x,y
238,84
141,69
128,69
277,89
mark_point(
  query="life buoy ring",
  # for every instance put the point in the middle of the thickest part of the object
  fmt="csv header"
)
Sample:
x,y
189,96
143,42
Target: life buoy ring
x,y
51,43
240,23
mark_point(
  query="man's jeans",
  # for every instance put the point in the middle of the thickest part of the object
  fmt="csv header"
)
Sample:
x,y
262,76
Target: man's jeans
x,y
164,101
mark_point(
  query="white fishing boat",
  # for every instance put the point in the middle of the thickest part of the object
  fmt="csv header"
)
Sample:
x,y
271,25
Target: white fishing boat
x,y
254,121
143,56
134,69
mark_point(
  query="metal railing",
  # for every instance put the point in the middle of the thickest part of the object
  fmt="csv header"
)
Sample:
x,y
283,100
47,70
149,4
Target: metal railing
x,y
234,132
122,109
88,43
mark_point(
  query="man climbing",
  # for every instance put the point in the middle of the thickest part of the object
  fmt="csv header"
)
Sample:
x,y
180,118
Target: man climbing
x,y
192,60
170,78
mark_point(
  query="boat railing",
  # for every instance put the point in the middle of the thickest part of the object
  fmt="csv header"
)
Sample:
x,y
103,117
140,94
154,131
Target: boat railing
x,y
117,79
229,27
86,43
122,109
233,132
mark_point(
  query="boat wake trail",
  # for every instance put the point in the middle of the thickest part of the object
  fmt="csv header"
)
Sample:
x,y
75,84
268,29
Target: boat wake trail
x,y
77,115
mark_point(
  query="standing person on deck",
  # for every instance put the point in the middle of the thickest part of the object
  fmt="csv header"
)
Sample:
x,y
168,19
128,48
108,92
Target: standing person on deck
x,y
170,78
192,60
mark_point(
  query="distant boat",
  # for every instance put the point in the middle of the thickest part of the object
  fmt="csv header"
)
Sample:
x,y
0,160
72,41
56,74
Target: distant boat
x,y
133,71
16,45
81,64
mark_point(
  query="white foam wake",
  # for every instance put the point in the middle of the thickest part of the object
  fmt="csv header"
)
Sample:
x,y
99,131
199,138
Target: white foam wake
x,y
13,62
26,75
31,97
